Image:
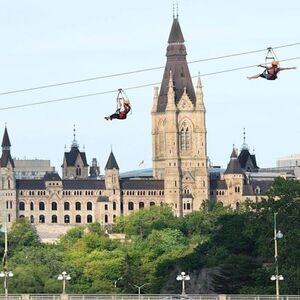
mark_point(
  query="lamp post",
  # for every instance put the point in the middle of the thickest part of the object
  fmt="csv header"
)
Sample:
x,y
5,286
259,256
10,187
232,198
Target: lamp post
x,y
139,287
276,277
183,277
116,281
64,277
6,275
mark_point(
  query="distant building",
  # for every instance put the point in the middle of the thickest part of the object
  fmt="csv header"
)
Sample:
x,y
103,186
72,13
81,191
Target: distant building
x,y
288,161
32,168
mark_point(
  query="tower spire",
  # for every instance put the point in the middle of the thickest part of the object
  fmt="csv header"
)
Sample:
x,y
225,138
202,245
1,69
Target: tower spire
x,y
244,145
74,142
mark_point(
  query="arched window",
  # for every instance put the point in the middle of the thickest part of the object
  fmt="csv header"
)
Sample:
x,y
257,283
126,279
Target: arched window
x,y
152,203
78,171
66,219
41,219
31,219
114,206
54,219
22,216
21,205
66,206
237,205
89,219
89,206
54,206
78,219
141,205
31,206
78,206
114,218
185,137
106,218
130,206
41,206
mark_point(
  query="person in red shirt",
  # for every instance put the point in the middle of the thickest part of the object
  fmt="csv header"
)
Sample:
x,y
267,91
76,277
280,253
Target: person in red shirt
x,y
270,73
122,111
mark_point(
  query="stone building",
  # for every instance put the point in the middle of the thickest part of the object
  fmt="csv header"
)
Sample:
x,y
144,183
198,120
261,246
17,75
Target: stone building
x,y
181,176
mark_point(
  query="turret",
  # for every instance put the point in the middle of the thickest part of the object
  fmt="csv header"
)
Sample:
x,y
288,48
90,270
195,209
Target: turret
x,y
112,173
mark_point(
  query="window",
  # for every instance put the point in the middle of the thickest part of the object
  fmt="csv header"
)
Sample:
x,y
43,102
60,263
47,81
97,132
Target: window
x,y
66,206
89,219
78,206
106,218
78,219
41,206
114,206
22,206
78,171
185,140
152,203
130,206
54,219
31,219
188,206
114,218
54,206
41,219
66,219
141,205
89,206
106,207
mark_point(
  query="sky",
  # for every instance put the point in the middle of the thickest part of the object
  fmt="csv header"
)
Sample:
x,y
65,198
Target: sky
x,y
50,41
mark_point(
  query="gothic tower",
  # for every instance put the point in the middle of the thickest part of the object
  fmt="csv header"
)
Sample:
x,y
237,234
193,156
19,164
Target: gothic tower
x,y
8,198
74,162
179,131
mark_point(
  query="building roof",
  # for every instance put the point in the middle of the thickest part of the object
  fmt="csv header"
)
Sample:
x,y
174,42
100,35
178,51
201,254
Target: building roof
x,y
52,176
111,162
176,35
218,185
176,62
83,184
142,184
5,140
30,184
72,156
234,166
245,157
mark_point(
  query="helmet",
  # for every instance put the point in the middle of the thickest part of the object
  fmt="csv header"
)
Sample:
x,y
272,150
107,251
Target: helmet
x,y
126,101
275,63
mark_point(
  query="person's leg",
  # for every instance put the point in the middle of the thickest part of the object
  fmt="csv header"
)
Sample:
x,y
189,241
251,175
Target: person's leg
x,y
254,76
113,116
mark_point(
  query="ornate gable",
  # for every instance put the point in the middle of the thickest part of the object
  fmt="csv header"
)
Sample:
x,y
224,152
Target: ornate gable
x,y
185,103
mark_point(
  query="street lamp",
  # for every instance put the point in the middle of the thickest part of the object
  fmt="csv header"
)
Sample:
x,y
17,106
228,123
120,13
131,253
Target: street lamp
x,y
183,277
6,275
116,281
139,288
276,277
64,276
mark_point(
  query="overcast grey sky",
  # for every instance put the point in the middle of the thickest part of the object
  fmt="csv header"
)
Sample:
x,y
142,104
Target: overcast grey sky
x,y
45,42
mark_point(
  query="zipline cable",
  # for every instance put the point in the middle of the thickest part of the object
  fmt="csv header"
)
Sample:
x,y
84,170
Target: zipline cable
x,y
137,71
128,88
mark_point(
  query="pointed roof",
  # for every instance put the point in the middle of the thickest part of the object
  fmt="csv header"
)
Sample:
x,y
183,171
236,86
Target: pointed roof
x,y
6,157
72,156
177,63
5,140
176,35
111,162
234,166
